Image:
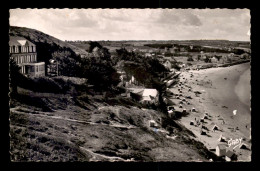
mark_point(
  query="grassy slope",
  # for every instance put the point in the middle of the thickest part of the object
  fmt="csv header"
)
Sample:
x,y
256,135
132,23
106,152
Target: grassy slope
x,y
60,130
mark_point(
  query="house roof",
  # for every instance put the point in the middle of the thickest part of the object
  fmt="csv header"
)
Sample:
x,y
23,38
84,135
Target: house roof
x,y
136,90
150,92
230,154
147,98
222,146
19,41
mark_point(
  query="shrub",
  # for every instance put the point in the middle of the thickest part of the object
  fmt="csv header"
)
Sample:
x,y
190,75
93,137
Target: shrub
x,y
41,84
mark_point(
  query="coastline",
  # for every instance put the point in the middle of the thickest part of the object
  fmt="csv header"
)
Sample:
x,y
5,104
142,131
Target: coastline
x,y
222,91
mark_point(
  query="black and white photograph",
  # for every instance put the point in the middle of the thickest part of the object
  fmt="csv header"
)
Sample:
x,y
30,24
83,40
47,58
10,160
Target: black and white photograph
x,y
130,85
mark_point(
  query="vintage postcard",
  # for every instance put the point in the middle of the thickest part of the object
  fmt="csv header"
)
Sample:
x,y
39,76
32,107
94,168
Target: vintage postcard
x,y
131,85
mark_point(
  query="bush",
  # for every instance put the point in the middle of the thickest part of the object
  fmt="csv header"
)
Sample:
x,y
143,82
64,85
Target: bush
x,y
41,84
14,76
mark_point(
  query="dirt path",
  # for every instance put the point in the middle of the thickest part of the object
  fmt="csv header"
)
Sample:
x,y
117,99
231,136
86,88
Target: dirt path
x,y
97,156
49,115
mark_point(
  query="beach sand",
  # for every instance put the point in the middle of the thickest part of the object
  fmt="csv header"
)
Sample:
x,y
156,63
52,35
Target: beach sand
x,y
223,90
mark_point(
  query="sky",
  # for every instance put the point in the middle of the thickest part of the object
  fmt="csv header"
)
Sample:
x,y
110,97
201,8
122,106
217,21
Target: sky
x,y
136,24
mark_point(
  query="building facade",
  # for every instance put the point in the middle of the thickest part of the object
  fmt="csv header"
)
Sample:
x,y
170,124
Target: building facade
x,y
24,53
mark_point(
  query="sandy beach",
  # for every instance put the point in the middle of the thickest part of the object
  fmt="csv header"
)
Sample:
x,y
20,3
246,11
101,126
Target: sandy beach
x,y
222,90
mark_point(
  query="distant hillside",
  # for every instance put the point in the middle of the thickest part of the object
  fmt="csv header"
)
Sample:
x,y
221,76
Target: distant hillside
x,y
44,41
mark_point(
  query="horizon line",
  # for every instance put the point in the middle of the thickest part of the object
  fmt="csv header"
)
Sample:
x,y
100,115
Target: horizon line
x,y
168,40
136,39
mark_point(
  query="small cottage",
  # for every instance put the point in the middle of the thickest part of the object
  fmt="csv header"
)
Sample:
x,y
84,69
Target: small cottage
x,y
150,96
221,150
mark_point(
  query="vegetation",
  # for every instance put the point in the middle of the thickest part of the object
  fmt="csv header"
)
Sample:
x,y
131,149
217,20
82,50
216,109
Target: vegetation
x,y
67,65
145,70
14,76
93,45
101,74
160,46
168,54
43,137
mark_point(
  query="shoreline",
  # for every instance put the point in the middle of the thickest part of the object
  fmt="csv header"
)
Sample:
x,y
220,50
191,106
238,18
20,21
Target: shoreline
x,y
219,99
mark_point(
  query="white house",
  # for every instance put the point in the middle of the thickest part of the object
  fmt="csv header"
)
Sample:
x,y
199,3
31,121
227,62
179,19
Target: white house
x,y
150,96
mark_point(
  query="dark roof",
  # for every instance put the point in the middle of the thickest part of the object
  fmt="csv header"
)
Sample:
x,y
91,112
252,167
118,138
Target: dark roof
x,y
19,41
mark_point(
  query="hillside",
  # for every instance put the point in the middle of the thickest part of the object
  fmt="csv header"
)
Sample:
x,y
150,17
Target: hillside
x,y
81,124
58,127
38,37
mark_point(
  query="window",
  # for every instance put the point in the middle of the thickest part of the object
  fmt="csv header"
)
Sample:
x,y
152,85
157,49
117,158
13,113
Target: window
x,y
13,50
19,49
32,49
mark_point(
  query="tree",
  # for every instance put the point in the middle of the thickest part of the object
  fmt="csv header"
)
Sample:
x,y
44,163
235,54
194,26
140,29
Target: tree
x,y
67,66
99,73
93,45
14,76
104,53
